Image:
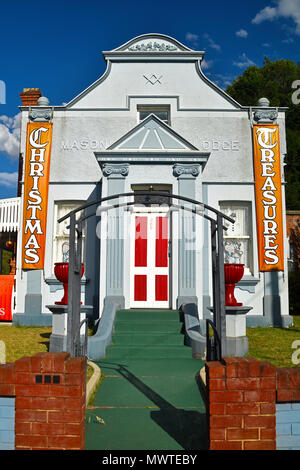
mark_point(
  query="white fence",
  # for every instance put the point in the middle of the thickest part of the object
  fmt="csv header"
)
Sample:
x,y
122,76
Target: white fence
x,y
9,214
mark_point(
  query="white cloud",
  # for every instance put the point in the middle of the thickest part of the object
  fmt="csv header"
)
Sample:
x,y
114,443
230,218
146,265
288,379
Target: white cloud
x,y
284,9
8,179
223,80
267,13
191,37
212,43
244,61
266,44
288,41
242,33
10,135
206,64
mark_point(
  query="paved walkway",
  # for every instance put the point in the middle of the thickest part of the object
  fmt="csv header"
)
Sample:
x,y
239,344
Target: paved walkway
x,y
149,398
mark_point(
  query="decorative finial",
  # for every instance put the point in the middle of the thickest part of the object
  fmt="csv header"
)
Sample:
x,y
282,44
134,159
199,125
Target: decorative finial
x,y
43,101
41,115
265,114
264,102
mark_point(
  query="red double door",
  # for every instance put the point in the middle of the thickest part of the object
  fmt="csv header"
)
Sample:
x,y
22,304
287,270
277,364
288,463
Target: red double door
x,y
150,260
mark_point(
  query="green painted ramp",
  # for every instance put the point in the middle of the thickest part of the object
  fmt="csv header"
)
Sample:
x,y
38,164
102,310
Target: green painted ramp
x,y
149,398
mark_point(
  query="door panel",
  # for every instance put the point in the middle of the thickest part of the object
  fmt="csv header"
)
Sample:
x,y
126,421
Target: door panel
x,y
161,287
161,242
140,287
150,260
140,258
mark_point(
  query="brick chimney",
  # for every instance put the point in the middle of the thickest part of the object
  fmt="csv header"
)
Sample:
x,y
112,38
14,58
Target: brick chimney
x,y
30,96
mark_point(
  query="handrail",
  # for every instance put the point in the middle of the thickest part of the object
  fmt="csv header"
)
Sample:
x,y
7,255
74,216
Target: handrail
x,y
147,193
76,340
213,349
127,204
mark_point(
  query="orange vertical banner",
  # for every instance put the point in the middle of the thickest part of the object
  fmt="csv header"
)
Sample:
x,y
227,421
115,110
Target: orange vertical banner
x,y
268,195
6,293
35,199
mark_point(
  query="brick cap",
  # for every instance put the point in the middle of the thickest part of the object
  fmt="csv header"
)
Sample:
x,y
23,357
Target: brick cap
x,y
30,96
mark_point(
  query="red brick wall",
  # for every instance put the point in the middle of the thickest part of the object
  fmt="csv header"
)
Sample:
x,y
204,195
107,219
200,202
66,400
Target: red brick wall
x,y
292,221
241,404
288,385
50,400
30,96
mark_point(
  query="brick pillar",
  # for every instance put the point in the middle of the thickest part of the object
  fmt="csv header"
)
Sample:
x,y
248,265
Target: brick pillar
x,y
30,96
49,390
241,394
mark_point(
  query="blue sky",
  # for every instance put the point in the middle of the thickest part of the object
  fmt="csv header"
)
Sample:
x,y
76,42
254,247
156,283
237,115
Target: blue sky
x,y
57,46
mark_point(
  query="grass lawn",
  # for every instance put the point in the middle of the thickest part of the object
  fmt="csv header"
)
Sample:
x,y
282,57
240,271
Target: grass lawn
x,y
274,344
266,344
26,341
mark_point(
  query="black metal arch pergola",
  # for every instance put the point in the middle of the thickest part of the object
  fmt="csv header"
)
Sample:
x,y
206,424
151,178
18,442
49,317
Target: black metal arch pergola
x,y
215,345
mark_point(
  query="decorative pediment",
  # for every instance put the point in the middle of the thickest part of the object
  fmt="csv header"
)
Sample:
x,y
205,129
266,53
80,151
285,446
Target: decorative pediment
x,y
153,46
152,43
152,134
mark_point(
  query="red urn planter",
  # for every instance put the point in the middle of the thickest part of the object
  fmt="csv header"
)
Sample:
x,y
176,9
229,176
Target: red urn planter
x,y
61,271
233,274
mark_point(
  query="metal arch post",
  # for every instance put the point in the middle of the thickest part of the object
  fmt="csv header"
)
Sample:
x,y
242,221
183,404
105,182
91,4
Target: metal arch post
x,y
71,281
213,227
74,291
221,313
77,290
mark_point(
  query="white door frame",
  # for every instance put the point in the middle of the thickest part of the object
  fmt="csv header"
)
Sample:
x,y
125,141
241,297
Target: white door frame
x,y
151,303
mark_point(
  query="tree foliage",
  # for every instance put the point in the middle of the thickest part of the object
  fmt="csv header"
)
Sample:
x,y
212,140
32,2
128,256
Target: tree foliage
x,y
274,81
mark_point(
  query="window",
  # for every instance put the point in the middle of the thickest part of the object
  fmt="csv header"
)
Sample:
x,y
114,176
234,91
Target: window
x,y
152,200
291,257
61,232
238,237
162,112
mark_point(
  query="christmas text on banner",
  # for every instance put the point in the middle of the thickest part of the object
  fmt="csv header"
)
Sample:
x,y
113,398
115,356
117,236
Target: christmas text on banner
x,y
36,181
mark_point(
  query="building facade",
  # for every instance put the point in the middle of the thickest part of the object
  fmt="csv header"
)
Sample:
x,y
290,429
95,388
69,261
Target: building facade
x,y
152,121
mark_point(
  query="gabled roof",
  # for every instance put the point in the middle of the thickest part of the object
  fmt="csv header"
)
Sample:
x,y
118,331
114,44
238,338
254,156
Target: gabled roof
x,y
148,48
152,134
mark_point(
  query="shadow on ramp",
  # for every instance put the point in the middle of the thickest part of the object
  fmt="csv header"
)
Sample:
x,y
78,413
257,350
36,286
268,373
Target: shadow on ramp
x,y
186,427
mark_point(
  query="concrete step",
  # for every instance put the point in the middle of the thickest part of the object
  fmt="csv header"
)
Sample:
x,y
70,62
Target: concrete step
x,y
145,351
171,326
148,339
143,315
